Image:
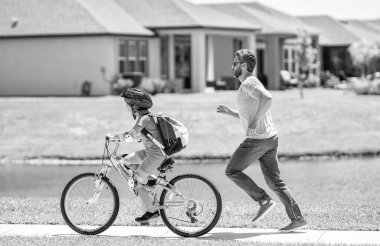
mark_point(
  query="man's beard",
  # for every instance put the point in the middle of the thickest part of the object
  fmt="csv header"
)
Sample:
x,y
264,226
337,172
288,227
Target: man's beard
x,y
237,73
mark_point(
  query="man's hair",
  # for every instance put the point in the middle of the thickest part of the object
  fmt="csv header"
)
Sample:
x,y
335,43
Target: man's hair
x,y
248,57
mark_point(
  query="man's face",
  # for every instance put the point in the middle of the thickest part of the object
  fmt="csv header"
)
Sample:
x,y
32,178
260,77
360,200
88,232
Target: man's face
x,y
236,67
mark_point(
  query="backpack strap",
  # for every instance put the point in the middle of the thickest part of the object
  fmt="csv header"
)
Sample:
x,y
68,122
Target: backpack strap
x,y
154,118
150,136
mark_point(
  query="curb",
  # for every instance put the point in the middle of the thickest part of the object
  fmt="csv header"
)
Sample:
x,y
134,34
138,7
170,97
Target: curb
x,y
63,160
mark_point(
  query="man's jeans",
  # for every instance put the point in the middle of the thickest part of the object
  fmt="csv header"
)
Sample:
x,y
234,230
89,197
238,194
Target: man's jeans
x,y
264,150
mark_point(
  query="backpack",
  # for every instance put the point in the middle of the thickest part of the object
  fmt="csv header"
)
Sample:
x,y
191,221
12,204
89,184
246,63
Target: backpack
x,y
173,133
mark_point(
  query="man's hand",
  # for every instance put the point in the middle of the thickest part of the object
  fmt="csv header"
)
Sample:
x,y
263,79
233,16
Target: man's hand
x,y
253,125
252,128
224,109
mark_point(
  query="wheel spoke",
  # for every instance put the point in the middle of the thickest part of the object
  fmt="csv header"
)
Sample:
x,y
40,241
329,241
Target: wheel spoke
x,y
201,211
82,212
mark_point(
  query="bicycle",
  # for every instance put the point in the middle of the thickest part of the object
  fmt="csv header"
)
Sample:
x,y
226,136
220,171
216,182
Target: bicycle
x,y
189,204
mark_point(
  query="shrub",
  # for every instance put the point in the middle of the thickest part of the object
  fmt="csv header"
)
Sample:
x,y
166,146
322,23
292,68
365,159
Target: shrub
x,y
365,86
153,86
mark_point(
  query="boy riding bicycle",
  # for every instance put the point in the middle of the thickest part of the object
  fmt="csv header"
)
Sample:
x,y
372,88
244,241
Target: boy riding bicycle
x,y
146,161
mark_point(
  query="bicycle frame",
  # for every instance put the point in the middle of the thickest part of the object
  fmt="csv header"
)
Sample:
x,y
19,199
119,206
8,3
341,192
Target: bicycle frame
x,y
127,175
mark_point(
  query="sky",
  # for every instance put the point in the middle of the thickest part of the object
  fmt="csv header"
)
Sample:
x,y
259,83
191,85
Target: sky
x,y
339,9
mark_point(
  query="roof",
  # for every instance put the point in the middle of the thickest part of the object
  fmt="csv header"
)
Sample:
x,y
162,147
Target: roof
x,y
66,17
271,20
374,23
332,32
366,30
162,14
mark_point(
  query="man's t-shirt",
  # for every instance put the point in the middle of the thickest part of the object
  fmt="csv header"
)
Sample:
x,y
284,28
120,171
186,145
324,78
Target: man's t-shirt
x,y
247,107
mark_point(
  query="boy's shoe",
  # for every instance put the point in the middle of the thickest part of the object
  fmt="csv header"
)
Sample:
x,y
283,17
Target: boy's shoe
x,y
151,182
264,209
147,216
295,225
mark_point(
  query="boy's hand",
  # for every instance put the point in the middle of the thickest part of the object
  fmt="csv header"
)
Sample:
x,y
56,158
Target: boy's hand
x,y
112,138
108,136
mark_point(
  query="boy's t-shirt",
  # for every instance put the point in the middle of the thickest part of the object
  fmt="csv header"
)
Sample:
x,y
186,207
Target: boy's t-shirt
x,y
148,123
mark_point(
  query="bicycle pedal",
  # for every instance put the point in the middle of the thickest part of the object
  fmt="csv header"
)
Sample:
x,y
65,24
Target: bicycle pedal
x,y
145,224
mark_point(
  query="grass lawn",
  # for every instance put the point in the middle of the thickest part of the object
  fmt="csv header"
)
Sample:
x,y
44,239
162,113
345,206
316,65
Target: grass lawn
x,y
324,122
333,195
320,215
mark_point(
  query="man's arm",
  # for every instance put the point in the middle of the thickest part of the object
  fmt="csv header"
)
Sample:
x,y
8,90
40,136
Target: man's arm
x,y
264,101
224,109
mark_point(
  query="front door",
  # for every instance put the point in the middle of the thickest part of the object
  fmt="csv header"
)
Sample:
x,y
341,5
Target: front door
x,y
182,46
260,67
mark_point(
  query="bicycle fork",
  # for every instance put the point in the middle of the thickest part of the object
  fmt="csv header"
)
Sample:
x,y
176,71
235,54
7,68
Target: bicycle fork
x,y
99,184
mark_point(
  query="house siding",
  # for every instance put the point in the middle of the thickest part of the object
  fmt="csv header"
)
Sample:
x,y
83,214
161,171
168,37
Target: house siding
x,y
224,55
47,66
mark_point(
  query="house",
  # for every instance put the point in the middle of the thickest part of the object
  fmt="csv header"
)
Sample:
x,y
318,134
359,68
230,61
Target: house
x,y
334,39
57,47
197,42
374,24
275,41
71,47
368,31
369,34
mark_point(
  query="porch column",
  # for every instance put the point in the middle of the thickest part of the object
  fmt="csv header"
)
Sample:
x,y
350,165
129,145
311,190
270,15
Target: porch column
x,y
251,45
154,58
198,61
171,56
210,59
274,61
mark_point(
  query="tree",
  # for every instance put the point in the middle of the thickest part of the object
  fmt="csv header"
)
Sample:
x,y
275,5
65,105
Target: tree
x,y
306,56
364,55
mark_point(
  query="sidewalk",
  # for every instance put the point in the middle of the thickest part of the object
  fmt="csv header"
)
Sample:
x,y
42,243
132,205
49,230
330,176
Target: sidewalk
x,y
239,234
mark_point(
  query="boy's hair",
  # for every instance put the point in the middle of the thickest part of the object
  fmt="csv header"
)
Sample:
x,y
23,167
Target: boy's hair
x,y
248,57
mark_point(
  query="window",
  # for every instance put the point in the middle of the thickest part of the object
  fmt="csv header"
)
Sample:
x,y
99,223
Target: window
x,y
122,57
133,56
289,59
164,46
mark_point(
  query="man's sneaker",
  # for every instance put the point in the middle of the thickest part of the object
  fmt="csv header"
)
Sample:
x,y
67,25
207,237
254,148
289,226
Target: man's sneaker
x,y
264,209
295,225
147,216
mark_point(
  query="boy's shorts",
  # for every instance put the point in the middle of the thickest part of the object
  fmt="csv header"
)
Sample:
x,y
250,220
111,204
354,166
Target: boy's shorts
x,y
148,163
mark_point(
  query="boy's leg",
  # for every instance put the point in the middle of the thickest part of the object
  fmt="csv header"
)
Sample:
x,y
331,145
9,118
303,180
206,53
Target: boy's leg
x,y
269,167
143,194
147,167
134,159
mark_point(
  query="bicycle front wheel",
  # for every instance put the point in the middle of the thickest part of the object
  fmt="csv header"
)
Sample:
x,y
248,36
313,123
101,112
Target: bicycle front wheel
x,y
196,211
88,207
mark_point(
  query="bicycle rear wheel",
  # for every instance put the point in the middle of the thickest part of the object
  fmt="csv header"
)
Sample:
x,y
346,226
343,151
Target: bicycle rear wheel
x,y
197,212
86,211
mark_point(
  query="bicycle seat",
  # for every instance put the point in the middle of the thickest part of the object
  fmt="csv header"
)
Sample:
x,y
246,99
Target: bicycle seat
x,y
166,164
